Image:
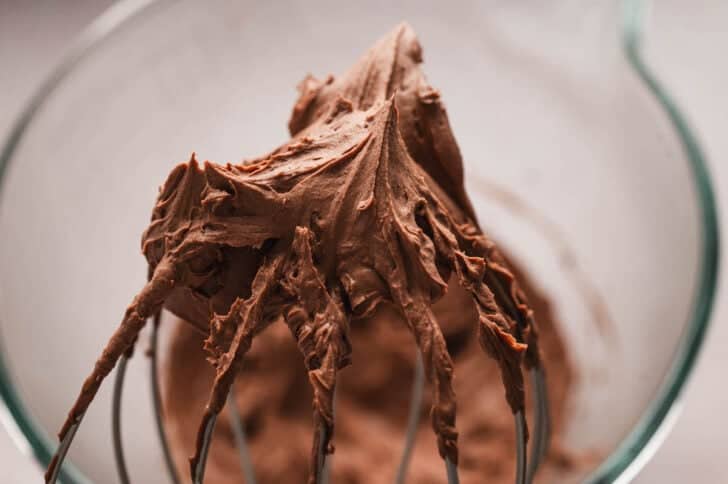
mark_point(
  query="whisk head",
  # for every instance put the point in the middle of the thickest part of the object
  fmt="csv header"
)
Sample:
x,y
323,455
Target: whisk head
x,y
365,204
525,471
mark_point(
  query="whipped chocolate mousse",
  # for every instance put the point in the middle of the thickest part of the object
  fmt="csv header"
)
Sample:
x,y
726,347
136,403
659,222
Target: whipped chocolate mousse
x,y
358,226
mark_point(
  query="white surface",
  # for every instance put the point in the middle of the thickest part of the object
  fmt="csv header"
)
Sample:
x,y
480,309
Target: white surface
x,y
31,38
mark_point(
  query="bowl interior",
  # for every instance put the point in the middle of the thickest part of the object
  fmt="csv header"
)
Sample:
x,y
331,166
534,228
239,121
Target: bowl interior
x,y
570,163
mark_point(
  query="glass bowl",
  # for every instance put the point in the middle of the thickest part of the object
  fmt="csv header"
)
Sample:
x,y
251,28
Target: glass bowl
x,y
576,160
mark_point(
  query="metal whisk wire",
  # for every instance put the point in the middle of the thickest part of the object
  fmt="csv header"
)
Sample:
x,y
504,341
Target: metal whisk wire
x,y
542,422
241,442
116,421
521,451
413,420
62,450
157,401
525,473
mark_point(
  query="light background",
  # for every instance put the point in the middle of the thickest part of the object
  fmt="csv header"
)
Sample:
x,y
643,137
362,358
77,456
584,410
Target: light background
x,y
687,51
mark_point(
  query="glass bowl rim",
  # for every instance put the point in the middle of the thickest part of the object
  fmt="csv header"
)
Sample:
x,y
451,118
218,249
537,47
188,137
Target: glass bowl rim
x,y
643,440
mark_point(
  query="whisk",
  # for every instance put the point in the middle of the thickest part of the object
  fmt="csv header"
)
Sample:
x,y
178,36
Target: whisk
x,y
524,473
363,206
289,267
538,446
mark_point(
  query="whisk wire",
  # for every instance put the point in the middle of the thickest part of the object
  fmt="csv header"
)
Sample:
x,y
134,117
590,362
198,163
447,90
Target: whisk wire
x,y
413,420
452,472
62,450
198,472
119,458
238,428
525,471
542,422
157,402
521,453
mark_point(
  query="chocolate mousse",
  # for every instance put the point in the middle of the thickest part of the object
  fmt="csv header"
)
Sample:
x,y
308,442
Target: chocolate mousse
x,y
353,242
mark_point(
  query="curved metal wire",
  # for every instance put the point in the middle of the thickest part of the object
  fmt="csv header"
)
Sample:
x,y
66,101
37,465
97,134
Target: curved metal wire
x,y
62,450
413,420
323,461
198,473
521,452
418,386
238,428
157,401
542,422
116,421
452,472
524,472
